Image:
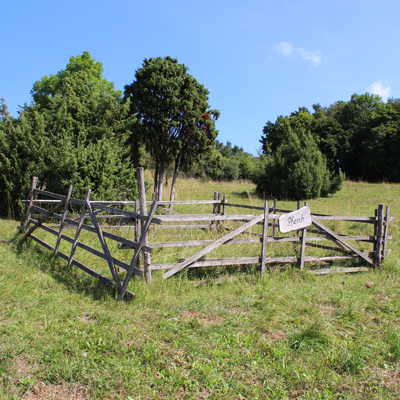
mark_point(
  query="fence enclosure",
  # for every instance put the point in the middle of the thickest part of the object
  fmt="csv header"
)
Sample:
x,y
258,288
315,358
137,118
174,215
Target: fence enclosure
x,y
140,221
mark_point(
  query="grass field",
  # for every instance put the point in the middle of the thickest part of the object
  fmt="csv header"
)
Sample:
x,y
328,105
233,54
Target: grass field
x,y
290,335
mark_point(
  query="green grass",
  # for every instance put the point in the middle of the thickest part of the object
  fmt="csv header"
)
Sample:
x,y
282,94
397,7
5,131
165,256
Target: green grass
x,y
290,335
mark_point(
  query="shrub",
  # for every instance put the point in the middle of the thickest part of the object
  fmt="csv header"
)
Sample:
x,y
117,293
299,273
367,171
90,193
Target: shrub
x,y
297,170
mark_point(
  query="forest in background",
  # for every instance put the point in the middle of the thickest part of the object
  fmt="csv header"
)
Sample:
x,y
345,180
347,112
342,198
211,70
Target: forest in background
x,y
78,129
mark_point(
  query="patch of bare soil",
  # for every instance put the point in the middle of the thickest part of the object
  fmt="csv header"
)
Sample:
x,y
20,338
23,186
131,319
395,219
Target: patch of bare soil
x,y
56,392
390,377
40,390
87,317
328,309
205,320
273,335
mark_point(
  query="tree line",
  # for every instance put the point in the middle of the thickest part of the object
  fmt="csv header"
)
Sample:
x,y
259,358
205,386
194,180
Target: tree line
x,y
78,129
308,154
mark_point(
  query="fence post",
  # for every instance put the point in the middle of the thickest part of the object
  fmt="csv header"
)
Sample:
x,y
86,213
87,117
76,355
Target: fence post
x,y
303,244
143,211
386,233
379,234
215,208
79,227
137,228
264,238
31,197
298,207
274,221
62,223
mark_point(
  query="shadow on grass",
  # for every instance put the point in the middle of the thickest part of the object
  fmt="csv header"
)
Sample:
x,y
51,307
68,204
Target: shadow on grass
x,y
72,278
245,194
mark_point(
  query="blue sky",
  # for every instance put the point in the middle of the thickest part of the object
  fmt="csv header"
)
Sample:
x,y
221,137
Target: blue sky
x,y
259,59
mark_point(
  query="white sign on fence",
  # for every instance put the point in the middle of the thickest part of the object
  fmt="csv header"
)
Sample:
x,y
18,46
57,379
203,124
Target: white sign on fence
x,y
295,220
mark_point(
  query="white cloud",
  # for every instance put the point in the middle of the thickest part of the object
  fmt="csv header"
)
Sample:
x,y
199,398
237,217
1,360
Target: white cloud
x,y
286,49
380,89
313,56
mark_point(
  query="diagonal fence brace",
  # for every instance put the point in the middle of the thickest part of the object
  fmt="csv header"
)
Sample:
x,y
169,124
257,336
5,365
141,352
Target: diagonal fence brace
x,y
341,240
139,248
104,246
47,215
213,246
79,228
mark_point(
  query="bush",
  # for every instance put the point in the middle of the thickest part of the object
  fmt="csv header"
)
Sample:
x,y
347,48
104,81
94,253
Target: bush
x,y
297,170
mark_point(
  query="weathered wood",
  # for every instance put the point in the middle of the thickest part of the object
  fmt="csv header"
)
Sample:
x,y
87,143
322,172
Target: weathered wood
x,y
137,221
303,242
104,246
341,240
177,202
137,252
321,246
83,267
208,217
244,206
143,212
132,203
170,211
378,254
47,215
197,226
45,201
62,224
214,212
254,260
264,238
215,206
386,233
90,249
59,196
274,221
129,214
213,246
298,208
337,270
28,208
78,228
108,235
224,201
295,220
87,216
375,230
284,239
368,220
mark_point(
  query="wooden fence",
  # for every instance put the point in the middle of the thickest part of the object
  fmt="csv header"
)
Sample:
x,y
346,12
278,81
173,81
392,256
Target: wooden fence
x,y
316,236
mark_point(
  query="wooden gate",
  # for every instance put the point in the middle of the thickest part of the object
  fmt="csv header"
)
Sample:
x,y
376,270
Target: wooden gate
x,y
140,222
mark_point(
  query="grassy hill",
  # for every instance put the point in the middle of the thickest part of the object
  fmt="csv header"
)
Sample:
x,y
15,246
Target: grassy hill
x,y
63,335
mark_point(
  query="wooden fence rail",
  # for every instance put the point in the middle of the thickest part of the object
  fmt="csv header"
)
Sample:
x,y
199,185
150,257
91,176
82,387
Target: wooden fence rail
x,y
140,221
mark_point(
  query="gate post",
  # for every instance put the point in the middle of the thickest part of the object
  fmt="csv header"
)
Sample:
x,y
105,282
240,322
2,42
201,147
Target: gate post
x,y
379,235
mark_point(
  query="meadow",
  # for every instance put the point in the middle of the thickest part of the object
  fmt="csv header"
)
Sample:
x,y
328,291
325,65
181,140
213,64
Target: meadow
x,y
64,335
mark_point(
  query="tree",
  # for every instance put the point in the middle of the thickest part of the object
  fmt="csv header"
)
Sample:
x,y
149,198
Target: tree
x,y
85,125
21,157
174,121
297,170
49,86
74,134
368,126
